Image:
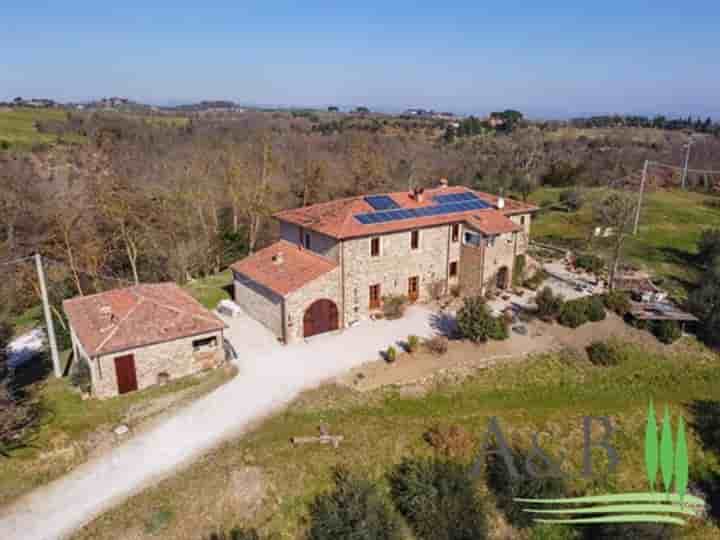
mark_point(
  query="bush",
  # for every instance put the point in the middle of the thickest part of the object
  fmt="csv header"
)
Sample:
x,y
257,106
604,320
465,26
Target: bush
x,y
618,302
235,534
596,309
80,375
438,499
549,305
573,199
590,263
506,488
354,509
536,280
394,306
412,344
551,531
709,245
450,441
606,353
630,531
666,331
456,291
499,329
477,324
391,354
574,313
437,345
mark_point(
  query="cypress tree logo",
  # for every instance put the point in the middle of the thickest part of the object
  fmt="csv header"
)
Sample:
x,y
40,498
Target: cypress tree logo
x,y
671,505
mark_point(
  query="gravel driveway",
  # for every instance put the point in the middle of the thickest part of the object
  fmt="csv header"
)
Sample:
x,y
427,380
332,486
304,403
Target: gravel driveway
x,y
268,380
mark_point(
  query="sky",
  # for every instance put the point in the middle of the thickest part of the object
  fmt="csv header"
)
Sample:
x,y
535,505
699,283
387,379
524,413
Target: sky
x,y
545,58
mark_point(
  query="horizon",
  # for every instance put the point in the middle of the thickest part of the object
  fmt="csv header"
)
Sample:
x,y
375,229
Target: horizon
x,y
559,61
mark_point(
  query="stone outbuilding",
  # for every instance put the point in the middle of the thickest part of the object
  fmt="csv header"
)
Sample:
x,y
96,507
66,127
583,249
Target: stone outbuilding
x,y
136,337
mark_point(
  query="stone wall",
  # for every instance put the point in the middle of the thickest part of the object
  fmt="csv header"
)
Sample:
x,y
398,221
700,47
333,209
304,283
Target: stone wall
x,y
524,236
396,263
480,264
260,303
326,286
319,243
175,358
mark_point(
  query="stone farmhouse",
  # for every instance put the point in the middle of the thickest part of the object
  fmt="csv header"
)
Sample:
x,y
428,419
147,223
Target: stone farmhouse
x,y
139,336
336,261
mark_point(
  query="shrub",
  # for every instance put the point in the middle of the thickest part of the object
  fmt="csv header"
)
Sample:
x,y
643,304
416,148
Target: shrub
x,y
606,353
235,534
506,488
499,329
412,344
709,245
574,313
394,306
437,345
618,302
80,375
438,499
537,278
596,309
390,354
354,509
549,305
551,531
666,331
630,531
573,199
450,441
590,263
456,291
477,324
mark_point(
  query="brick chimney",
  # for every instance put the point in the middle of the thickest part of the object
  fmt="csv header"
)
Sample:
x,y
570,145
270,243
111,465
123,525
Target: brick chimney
x,y
278,258
443,183
419,194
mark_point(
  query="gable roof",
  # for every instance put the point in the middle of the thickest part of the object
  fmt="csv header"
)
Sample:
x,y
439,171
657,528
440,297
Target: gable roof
x,y
493,222
137,316
297,267
337,218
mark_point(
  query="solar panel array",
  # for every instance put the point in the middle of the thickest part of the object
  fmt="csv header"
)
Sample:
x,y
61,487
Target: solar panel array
x,y
426,211
455,197
381,202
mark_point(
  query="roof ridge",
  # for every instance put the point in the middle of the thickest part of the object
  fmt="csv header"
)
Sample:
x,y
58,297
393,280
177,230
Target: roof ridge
x,y
117,326
177,309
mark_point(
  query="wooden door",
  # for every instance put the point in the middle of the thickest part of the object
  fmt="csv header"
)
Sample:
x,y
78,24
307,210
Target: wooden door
x,y
413,288
321,316
125,373
374,296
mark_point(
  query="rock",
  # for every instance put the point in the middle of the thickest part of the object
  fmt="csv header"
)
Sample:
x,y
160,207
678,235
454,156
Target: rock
x,y
122,429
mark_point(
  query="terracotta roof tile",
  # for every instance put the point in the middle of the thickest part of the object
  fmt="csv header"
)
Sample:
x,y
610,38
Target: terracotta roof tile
x,y
137,316
493,222
337,218
297,267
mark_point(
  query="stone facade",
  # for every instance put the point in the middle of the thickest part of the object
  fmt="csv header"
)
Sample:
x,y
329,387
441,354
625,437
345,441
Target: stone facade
x,y
260,303
297,302
312,240
155,363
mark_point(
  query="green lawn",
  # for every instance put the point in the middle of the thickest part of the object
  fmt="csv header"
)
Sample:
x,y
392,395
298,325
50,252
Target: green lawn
x,y
17,127
210,290
551,394
670,225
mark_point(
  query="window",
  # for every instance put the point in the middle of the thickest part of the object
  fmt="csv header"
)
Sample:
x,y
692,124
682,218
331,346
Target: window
x,y
204,344
455,232
522,220
414,239
472,239
307,240
453,269
374,296
375,247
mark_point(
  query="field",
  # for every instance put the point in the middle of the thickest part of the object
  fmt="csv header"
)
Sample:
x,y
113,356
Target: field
x,y
670,225
550,393
17,128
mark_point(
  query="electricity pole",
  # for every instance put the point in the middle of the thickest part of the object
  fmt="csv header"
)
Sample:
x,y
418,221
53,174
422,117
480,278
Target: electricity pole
x,y
640,197
687,161
48,317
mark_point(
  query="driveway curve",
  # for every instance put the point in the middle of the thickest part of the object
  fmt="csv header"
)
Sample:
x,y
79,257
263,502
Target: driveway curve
x,y
267,381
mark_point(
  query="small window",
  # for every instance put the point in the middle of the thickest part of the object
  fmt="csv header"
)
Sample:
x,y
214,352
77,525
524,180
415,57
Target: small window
x,y
455,232
375,247
307,241
522,220
374,296
414,239
453,269
472,239
204,344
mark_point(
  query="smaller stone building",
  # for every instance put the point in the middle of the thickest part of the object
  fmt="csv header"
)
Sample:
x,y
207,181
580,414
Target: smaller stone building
x,y
140,336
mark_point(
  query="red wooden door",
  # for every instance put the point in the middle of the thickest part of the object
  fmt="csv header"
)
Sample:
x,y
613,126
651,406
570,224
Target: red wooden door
x,y
413,288
125,373
321,316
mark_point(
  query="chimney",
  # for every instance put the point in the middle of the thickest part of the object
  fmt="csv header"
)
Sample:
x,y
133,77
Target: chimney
x,y
501,202
107,318
443,183
418,193
278,258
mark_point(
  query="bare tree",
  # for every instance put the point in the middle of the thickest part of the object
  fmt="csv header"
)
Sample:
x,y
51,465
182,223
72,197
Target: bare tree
x,y
617,211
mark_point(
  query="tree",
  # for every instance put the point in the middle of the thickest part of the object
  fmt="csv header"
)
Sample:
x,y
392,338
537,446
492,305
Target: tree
x,y
704,302
548,304
524,185
573,199
709,246
475,321
618,212
354,509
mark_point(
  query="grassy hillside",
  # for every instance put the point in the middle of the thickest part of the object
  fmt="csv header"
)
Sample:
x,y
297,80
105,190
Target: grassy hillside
x,y
670,226
551,393
17,128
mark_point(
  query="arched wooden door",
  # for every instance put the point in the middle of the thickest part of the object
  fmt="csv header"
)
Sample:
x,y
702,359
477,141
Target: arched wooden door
x,y
503,278
321,316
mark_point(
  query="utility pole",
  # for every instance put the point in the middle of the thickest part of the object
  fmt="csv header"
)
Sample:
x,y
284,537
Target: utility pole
x,y
640,197
48,317
687,161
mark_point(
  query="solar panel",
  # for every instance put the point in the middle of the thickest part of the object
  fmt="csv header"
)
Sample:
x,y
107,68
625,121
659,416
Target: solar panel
x,y
426,211
381,202
455,197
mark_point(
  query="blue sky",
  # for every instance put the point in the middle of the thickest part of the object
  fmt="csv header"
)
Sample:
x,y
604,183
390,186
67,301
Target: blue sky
x,y
563,58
